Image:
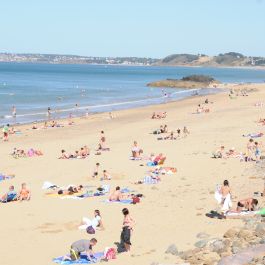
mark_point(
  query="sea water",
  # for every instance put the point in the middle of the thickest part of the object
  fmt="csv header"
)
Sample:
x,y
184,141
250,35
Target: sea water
x,y
80,89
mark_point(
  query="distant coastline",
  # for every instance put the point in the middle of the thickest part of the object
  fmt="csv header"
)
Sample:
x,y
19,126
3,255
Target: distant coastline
x,y
226,60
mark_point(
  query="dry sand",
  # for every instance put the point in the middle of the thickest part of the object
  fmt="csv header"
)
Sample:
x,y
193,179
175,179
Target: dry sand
x,y
172,212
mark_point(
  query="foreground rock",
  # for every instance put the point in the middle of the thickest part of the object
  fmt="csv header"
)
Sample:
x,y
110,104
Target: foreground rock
x,y
239,246
188,82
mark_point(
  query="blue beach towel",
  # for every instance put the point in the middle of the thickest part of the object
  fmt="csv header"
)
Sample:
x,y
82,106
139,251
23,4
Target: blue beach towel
x,y
129,201
82,260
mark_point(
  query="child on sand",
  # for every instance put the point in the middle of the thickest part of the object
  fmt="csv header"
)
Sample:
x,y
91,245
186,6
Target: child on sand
x,y
106,175
24,194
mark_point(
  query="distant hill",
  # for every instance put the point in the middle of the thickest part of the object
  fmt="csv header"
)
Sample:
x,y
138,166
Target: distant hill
x,y
230,59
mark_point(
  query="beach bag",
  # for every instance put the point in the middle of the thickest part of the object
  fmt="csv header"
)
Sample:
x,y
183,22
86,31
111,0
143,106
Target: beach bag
x,y
109,253
90,230
135,200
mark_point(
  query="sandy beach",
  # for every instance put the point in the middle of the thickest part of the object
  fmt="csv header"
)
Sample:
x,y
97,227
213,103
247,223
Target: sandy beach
x,y
171,212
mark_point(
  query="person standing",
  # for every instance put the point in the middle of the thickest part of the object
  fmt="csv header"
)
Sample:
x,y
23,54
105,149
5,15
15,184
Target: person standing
x,y
5,132
14,112
127,228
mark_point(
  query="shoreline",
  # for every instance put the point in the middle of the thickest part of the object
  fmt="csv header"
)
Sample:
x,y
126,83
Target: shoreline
x,y
83,115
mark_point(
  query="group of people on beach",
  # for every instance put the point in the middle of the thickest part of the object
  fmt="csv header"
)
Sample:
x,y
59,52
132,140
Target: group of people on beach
x,y
223,195
12,195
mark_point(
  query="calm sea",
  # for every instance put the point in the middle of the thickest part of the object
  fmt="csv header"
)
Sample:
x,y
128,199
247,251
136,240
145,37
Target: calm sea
x,y
32,88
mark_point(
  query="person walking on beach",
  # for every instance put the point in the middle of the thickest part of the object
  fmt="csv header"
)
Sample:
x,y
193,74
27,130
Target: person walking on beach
x,y
127,228
49,113
5,132
14,112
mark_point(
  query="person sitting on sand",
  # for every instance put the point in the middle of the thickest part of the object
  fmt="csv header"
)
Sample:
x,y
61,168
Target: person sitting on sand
x,y
86,151
106,175
80,246
136,151
96,222
11,195
96,170
220,153
24,194
102,143
165,129
159,159
117,195
249,204
250,150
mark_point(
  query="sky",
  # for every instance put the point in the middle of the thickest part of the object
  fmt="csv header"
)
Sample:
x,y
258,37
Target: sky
x,y
143,28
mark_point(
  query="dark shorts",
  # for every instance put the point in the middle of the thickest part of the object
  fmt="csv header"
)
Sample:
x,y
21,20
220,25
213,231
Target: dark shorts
x,y
126,235
74,255
5,134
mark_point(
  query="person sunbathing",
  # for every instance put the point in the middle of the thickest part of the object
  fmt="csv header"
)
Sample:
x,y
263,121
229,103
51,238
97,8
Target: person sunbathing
x,y
96,222
232,153
24,194
11,195
65,155
70,190
136,151
117,195
160,115
249,204
253,135
170,136
17,153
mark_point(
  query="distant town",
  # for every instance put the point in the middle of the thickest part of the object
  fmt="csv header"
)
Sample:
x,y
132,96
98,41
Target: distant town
x,y
230,59
74,59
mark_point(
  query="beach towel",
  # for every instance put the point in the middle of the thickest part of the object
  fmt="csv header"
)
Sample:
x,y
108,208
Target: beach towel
x,y
128,201
82,260
241,214
149,180
48,185
253,135
4,177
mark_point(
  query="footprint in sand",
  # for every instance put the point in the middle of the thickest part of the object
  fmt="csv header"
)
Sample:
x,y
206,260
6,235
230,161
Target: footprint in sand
x,y
57,228
56,231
